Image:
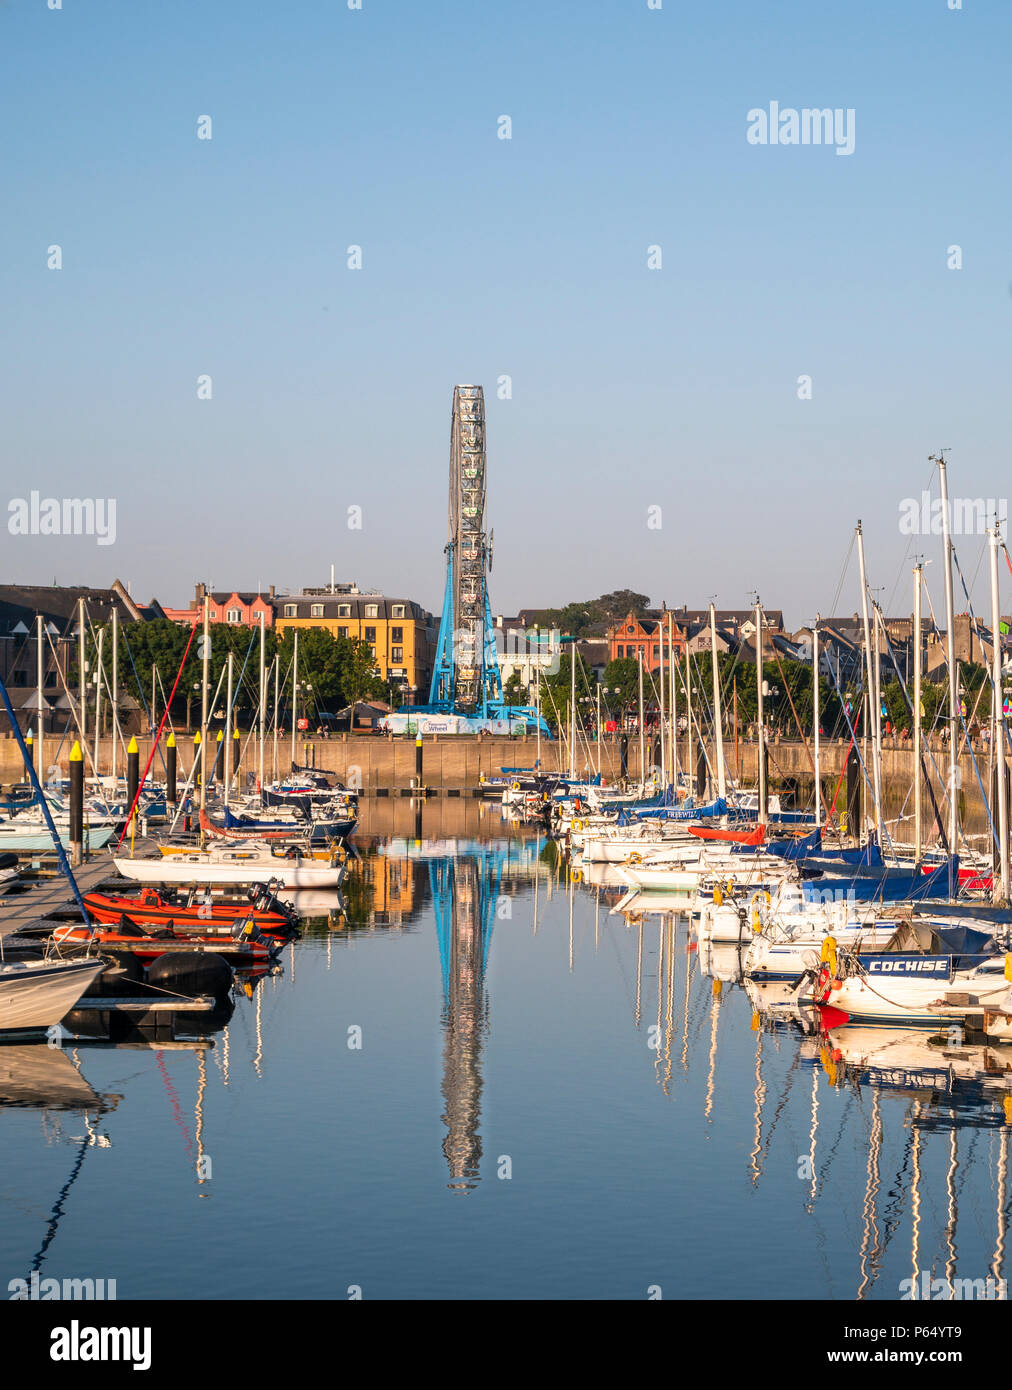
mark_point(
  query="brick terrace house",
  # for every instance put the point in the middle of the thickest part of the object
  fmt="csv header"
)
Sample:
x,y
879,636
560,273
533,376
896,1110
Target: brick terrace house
x,y
643,635
241,609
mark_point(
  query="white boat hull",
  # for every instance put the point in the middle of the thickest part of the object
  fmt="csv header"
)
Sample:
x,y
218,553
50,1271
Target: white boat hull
x,y
37,994
239,868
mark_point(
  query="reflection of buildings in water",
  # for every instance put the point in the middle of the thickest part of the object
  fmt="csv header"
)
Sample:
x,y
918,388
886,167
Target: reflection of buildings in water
x,y
465,894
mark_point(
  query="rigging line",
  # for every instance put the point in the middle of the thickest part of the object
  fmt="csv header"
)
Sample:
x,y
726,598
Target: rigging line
x,y
942,780
890,652
195,765
144,703
965,744
140,785
843,572
787,691
77,720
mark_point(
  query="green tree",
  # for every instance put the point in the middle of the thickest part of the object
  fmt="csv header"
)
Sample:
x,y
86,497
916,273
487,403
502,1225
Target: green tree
x,y
514,691
621,675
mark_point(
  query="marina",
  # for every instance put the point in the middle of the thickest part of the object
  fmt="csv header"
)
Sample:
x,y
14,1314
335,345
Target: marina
x,y
612,929
505,677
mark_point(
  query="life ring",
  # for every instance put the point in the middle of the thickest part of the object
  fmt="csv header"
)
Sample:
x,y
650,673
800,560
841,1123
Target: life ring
x,y
577,826
576,875
635,858
514,786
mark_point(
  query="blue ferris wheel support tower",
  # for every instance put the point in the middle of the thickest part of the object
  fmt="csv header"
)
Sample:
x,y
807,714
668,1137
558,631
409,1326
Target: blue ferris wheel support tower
x,y
466,678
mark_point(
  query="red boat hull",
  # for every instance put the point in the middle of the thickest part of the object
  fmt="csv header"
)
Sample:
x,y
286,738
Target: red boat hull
x,y
148,948
150,909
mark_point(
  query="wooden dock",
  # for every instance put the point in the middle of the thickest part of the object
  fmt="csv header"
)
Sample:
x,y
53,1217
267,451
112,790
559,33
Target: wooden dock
x,y
30,898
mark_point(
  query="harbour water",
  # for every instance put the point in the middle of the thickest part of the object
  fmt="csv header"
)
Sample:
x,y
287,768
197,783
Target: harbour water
x,y
479,1082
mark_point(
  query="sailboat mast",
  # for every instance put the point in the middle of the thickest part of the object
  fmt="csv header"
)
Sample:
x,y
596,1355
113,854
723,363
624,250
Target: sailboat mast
x,y
872,723
537,702
277,699
762,816
81,673
42,722
999,727
572,708
597,727
114,698
690,751
816,693
206,653
660,682
263,700
295,693
718,719
643,766
226,771
98,695
674,707
917,714
950,644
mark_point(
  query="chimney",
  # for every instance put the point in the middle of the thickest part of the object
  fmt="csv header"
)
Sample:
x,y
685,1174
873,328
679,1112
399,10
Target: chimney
x,y
270,592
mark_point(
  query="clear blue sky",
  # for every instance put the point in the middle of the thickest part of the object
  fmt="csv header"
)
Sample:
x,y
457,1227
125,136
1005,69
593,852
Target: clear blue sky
x,y
631,388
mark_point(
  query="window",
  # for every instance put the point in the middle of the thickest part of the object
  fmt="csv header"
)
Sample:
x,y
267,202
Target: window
x,y
370,635
372,610
50,678
621,653
397,655
373,650
20,678
214,612
342,632
344,610
397,611
291,610
316,610
655,653
397,634
234,615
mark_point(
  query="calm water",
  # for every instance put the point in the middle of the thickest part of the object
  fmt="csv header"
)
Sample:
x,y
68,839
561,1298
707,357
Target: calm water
x,y
549,1101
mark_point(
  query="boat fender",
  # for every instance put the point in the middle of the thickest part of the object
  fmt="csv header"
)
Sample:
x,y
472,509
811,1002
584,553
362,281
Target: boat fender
x,y
1008,967
192,972
718,895
828,953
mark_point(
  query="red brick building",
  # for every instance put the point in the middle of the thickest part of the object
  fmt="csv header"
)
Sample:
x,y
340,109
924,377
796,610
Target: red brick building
x,y
241,609
635,636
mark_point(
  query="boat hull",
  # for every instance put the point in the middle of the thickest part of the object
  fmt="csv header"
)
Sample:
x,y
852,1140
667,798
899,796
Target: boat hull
x,y
187,868
37,994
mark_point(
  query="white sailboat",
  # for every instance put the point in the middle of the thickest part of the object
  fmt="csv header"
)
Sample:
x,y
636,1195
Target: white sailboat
x,y
248,863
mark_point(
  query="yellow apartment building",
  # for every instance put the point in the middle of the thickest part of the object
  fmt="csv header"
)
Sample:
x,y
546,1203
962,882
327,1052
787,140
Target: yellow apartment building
x,y
401,633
